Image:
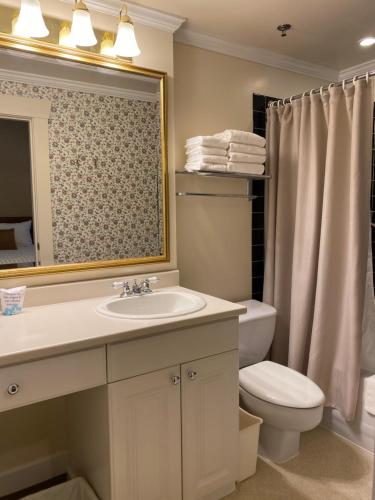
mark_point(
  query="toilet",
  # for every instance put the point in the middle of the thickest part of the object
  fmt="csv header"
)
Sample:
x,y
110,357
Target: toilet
x,y
288,402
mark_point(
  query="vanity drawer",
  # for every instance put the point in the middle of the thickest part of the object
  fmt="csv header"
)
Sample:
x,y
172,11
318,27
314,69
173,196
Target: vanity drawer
x,y
49,378
138,356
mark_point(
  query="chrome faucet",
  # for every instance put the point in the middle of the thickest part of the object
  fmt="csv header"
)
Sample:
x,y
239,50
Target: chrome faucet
x,y
137,289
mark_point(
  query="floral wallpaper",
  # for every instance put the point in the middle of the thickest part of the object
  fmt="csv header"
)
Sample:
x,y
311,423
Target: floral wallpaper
x,y
106,183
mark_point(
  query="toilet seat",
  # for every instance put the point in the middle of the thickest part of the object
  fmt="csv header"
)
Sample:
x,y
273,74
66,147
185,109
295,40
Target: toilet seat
x,y
280,385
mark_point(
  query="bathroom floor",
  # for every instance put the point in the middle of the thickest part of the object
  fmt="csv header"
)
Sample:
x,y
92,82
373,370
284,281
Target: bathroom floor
x,y
328,468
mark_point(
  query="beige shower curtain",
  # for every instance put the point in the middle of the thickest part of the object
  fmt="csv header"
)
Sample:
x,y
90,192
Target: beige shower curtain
x,y
319,157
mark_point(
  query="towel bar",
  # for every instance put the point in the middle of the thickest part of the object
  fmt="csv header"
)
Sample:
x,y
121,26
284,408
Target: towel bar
x,y
233,175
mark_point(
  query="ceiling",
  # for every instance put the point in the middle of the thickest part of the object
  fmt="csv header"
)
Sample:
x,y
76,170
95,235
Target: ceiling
x,y
324,32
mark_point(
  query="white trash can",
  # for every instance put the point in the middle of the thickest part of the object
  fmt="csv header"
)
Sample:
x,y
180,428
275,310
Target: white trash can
x,y
75,489
249,440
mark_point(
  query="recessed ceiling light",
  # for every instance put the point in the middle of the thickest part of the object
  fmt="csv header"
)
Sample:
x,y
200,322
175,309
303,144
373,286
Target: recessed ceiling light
x,y
367,42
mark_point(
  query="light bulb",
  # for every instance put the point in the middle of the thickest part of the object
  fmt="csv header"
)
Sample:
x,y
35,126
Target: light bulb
x,y
367,42
30,22
82,32
65,36
106,46
126,43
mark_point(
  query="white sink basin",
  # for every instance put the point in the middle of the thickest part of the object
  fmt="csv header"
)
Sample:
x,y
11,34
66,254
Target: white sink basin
x,y
159,304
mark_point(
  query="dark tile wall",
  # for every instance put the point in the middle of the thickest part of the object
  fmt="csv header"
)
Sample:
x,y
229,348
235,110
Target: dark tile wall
x,y
260,103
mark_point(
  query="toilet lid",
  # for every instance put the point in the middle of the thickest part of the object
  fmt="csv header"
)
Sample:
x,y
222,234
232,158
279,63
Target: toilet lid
x,y
280,385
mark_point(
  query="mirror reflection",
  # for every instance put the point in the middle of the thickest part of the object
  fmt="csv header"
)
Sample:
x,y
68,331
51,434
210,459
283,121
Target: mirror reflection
x,y
81,165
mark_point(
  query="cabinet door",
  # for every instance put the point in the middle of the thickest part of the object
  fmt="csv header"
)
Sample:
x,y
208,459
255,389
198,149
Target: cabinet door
x,y
210,434
145,426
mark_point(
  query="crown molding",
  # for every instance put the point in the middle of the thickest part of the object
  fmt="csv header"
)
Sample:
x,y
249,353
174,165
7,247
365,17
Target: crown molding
x,y
138,13
76,85
358,69
255,54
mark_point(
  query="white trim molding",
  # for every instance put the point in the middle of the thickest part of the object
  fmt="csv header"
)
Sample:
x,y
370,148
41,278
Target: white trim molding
x,y
358,69
255,54
139,14
76,85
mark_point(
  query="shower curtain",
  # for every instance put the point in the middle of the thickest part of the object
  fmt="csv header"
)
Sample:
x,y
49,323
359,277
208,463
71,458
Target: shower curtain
x,y
319,157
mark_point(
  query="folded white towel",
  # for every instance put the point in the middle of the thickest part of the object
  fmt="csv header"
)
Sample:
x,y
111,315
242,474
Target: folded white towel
x,y
209,141
246,168
246,158
192,167
206,159
203,150
234,147
242,137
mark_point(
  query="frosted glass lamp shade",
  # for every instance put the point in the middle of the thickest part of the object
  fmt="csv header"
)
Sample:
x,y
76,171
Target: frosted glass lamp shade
x,y
65,37
126,43
30,22
107,46
82,31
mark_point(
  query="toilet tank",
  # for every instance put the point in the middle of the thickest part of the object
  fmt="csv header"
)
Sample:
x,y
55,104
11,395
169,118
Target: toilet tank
x,y
257,328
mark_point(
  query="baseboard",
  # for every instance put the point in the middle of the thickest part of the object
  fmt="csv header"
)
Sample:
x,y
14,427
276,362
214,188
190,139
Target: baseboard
x,y
24,476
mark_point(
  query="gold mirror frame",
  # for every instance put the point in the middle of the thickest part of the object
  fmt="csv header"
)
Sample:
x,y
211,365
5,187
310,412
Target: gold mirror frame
x,y
81,56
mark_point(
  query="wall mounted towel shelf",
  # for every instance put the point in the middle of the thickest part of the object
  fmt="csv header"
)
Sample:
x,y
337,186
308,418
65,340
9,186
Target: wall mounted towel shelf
x,y
233,175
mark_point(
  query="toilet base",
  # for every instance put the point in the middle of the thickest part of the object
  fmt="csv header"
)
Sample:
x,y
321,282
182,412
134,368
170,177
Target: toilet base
x,y
278,445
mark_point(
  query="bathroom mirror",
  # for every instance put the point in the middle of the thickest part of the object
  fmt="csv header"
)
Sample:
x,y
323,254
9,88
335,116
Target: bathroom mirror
x,y
84,161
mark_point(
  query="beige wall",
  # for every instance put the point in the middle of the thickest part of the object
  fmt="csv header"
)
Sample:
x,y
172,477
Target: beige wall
x,y
32,433
214,92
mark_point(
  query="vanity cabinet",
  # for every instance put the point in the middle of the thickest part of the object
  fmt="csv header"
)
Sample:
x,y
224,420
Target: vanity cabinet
x,y
165,427
209,407
145,431
192,407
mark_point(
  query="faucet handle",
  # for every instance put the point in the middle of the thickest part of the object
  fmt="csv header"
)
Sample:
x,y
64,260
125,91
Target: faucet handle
x,y
146,283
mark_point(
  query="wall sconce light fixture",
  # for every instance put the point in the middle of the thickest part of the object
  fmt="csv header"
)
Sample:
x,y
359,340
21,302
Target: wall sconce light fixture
x,y
126,43
107,45
82,31
65,36
30,22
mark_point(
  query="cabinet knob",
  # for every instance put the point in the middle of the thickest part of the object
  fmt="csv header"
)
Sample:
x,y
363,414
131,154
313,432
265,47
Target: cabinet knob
x,y
13,389
175,380
192,374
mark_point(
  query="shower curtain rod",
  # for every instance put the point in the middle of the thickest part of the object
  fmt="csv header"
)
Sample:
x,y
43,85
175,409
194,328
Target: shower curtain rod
x,y
282,102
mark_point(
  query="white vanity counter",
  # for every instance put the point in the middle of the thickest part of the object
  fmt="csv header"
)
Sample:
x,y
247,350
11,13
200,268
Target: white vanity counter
x,y
54,329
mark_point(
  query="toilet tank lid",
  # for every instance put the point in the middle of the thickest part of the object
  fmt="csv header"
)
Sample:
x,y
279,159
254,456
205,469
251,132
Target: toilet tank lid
x,y
256,310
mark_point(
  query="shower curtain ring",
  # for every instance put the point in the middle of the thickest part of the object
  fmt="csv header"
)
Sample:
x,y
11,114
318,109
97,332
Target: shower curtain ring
x,y
343,84
354,79
284,101
321,91
311,92
330,86
367,77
